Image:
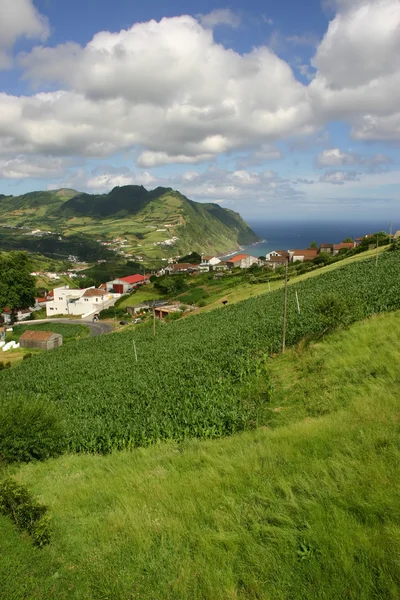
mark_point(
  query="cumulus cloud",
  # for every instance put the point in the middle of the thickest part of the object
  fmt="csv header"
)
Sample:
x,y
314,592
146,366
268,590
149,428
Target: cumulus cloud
x,y
358,67
220,16
36,167
334,157
339,177
165,86
153,159
19,18
266,153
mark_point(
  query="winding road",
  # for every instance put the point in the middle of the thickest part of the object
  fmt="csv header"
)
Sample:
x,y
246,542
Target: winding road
x,y
97,328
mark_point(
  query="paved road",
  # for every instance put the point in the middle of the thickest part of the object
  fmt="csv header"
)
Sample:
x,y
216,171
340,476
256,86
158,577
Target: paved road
x,y
97,328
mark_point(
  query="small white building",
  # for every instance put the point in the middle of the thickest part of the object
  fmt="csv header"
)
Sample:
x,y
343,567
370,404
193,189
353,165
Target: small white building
x,y
69,301
208,262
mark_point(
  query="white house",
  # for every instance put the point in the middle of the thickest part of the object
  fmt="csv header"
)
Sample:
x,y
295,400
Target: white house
x,y
244,261
69,301
207,262
20,315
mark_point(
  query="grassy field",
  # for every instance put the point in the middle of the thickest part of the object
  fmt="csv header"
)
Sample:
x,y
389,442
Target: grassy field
x,y
306,508
69,331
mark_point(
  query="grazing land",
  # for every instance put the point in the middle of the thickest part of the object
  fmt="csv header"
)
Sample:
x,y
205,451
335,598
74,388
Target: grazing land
x,y
202,377
306,507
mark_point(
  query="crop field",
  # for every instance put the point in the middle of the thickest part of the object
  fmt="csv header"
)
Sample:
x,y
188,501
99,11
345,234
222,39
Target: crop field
x,y
200,377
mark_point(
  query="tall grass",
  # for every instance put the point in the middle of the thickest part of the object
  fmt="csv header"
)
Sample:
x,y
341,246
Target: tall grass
x,y
305,509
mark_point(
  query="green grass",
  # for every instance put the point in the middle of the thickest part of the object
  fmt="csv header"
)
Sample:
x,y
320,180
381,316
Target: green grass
x,y
307,508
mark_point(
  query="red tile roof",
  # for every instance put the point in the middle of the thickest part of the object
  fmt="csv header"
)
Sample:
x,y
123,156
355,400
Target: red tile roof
x,y
40,336
348,245
308,253
238,257
39,300
92,292
134,279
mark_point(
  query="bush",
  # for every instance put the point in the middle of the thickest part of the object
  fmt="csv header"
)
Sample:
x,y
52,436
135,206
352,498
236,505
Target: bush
x,y
333,311
29,430
27,355
4,365
17,502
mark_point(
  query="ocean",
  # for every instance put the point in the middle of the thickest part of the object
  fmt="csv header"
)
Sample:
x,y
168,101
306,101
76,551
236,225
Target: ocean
x,y
291,235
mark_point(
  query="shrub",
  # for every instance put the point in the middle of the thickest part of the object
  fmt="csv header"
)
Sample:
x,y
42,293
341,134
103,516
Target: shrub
x,y
27,355
333,311
6,365
17,502
29,430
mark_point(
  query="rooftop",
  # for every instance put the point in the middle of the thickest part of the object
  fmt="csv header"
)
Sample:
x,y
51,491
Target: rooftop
x,y
92,292
39,336
238,257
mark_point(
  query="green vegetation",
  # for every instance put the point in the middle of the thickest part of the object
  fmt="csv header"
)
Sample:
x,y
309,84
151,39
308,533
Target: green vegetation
x,y
17,502
131,215
306,508
17,286
69,331
200,377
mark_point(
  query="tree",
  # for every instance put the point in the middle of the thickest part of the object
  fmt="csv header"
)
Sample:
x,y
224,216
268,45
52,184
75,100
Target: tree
x,y
17,285
313,245
347,240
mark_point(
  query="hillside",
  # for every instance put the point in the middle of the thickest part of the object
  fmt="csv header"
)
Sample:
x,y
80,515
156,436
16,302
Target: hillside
x,y
304,508
140,220
199,377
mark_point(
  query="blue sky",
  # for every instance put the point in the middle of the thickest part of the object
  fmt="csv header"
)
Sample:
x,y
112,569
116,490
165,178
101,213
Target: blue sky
x,y
271,109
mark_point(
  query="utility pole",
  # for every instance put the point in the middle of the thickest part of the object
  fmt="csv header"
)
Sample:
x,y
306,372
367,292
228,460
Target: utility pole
x,y
154,319
284,310
376,256
390,234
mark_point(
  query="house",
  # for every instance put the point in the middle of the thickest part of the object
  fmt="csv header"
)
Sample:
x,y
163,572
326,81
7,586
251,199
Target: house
x,y
40,340
221,266
179,268
40,302
326,248
123,285
396,235
244,261
303,255
77,302
343,246
20,314
208,262
276,261
362,238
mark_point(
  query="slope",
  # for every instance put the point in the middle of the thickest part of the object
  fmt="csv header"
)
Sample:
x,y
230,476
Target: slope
x,y
144,219
306,508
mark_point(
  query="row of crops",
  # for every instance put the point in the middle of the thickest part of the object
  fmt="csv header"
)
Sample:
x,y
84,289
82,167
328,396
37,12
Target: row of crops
x,y
195,379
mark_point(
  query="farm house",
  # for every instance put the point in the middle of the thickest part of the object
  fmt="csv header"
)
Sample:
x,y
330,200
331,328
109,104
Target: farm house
x,y
40,340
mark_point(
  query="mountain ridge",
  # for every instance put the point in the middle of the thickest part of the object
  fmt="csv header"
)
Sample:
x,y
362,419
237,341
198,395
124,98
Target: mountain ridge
x,y
155,222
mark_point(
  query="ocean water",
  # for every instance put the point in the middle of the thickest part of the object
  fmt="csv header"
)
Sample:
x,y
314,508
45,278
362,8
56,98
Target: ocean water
x,y
291,235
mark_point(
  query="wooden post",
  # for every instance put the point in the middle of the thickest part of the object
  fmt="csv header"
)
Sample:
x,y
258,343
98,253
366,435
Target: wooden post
x,y
134,349
298,303
284,310
376,257
269,286
154,321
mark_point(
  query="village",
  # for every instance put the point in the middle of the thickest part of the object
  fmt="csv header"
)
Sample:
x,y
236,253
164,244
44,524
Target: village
x,y
67,301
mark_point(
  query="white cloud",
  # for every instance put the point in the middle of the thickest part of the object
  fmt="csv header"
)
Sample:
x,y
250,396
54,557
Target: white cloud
x,y
339,177
19,18
164,86
358,68
36,167
221,16
334,157
153,159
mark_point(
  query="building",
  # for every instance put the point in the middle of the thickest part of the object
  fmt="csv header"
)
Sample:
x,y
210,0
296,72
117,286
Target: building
x,y
179,268
123,285
21,314
77,302
40,340
276,261
326,248
163,311
396,235
208,262
244,261
343,246
303,255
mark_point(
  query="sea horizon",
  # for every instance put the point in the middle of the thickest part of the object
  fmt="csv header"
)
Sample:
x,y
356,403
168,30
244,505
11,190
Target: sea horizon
x,y
291,235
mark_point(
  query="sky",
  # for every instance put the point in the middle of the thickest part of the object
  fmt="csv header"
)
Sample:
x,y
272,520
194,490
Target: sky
x,y
273,109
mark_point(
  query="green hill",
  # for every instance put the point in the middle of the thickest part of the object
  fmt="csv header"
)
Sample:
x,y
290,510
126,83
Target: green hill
x,y
144,219
306,508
